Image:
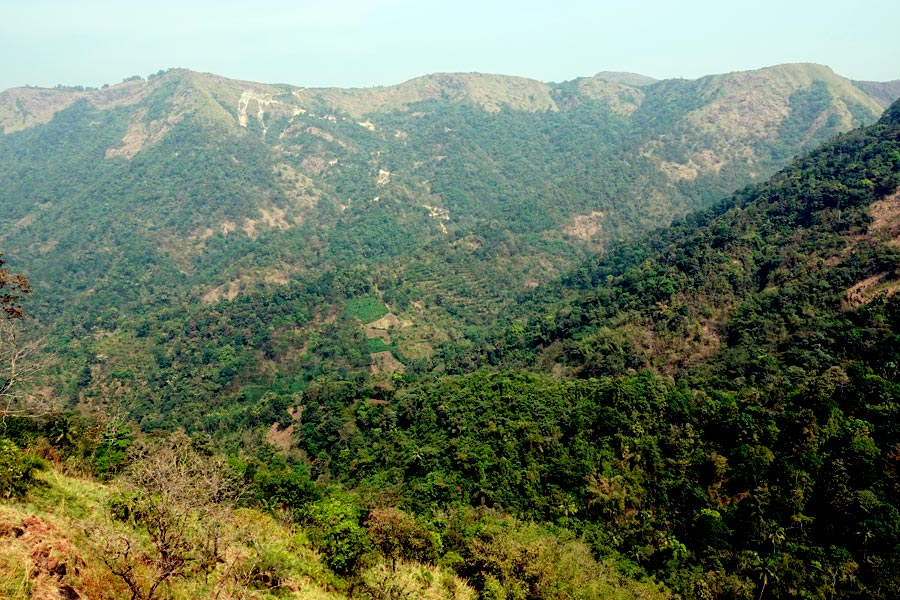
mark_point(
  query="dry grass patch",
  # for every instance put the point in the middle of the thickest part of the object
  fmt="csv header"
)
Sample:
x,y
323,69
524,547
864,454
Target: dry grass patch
x,y
870,288
45,552
587,227
386,363
414,580
886,218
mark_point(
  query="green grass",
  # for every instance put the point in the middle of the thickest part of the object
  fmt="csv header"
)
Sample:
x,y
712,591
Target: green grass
x,y
374,345
366,309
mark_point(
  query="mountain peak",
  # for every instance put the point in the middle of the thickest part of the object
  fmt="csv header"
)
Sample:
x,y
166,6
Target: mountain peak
x,y
626,78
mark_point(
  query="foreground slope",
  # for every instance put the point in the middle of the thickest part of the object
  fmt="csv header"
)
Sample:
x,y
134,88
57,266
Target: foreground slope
x,y
181,523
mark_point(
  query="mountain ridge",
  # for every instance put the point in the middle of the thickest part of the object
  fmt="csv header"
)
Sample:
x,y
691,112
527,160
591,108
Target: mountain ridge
x,y
28,106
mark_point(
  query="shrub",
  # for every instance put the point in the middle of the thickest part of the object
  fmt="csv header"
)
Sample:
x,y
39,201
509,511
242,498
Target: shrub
x,y
337,533
16,469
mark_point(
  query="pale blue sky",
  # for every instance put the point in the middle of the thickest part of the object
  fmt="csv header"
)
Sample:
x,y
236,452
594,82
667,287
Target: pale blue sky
x,y
379,42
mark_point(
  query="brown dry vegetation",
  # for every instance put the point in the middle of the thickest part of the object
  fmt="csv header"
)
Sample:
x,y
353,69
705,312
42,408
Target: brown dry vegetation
x,y
870,288
585,227
623,99
886,218
141,135
491,92
280,436
885,226
21,108
247,281
386,363
37,558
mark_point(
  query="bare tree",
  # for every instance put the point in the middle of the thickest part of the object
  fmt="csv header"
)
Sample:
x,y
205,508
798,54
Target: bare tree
x,y
19,362
18,355
180,496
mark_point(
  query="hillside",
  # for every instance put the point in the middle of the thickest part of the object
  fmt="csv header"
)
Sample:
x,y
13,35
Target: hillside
x,y
884,92
69,536
709,408
777,271
157,213
728,428
732,428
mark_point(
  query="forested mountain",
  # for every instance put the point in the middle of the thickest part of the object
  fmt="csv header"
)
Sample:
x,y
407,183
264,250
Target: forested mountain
x,y
759,425
733,426
707,410
206,239
776,275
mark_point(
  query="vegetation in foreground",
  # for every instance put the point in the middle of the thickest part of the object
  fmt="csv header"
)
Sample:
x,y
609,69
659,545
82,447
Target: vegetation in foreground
x,y
181,522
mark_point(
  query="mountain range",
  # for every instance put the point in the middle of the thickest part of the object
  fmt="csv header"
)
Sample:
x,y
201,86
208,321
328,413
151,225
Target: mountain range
x,y
505,335
442,200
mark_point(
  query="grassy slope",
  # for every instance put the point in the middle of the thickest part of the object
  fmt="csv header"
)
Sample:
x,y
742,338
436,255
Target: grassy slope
x,y
52,541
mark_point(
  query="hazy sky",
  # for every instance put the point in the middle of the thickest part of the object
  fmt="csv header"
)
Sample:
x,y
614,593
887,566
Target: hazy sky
x,y
379,42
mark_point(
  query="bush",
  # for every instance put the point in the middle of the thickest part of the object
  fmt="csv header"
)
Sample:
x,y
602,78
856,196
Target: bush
x,y
291,489
337,533
16,469
399,535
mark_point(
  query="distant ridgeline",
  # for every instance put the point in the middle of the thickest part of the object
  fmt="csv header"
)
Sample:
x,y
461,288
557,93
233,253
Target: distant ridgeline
x,y
447,294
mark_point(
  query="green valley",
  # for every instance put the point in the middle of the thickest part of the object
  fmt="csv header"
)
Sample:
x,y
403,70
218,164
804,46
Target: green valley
x,y
178,203
471,336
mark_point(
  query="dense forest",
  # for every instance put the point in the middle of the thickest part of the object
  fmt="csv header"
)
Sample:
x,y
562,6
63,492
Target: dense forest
x,y
197,242
708,410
